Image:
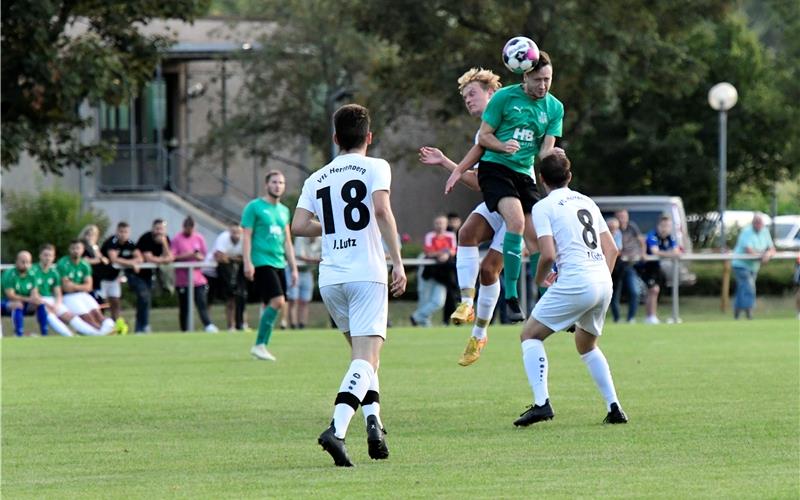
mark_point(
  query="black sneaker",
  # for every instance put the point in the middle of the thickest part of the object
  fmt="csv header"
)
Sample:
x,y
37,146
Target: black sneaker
x,y
413,321
535,414
376,441
615,416
335,447
513,310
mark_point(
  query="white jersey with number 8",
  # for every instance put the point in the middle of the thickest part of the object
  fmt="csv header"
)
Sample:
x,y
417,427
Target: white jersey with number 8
x,y
575,223
340,195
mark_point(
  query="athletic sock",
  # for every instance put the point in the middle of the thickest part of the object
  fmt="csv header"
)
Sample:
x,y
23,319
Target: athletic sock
x,y
266,324
487,301
468,260
18,318
535,361
601,373
83,327
107,326
41,317
354,387
58,325
512,262
371,404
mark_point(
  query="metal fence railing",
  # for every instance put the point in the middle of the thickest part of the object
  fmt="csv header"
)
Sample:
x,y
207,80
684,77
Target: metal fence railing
x,y
413,263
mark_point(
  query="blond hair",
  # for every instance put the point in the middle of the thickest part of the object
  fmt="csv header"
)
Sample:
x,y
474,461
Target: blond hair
x,y
84,234
486,78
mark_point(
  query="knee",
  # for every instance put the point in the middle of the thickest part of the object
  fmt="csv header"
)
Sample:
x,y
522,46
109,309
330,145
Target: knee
x,y
490,272
277,302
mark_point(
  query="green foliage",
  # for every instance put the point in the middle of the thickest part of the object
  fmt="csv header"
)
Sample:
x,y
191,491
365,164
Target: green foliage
x,y
178,416
633,76
52,216
58,54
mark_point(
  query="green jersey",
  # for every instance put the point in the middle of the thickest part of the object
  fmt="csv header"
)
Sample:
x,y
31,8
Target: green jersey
x,y
515,115
46,280
22,285
77,273
268,225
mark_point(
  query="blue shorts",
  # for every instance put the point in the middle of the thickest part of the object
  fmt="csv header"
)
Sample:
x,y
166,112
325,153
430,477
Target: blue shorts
x,y
304,289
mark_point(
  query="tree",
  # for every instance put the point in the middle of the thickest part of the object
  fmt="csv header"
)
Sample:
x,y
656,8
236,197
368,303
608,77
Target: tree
x,y
57,54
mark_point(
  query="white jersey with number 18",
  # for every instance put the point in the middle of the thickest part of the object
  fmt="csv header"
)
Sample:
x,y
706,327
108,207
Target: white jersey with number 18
x,y
575,223
340,195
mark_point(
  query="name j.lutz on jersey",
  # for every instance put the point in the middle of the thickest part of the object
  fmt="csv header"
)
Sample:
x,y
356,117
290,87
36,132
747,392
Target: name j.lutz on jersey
x,y
346,168
343,243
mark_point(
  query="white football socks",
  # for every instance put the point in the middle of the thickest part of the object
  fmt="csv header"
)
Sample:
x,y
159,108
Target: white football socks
x,y
83,327
107,326
535,361
58,325
487,300
600,372
468,262
373,408
356,382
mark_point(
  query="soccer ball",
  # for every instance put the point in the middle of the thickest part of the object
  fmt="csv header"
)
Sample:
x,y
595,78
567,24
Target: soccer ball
x,y
520,54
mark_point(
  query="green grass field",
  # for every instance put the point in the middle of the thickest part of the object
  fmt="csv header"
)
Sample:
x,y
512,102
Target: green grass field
x,y
714,409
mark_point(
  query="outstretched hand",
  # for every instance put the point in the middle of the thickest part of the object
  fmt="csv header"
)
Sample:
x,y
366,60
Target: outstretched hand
x,y
430,156
452,181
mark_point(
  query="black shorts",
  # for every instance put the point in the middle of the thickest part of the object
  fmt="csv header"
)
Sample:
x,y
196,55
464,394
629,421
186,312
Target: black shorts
x,y
270,282
499,181
651,274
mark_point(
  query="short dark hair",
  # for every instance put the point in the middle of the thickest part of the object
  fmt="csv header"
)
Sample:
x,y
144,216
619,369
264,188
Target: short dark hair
x,y
188,221
123,224
158,221
351,123
46,246
75,241
555,170
544,60
271,174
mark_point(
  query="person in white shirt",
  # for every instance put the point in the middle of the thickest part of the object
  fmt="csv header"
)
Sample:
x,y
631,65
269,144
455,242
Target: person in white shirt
x,y
573,235
307,254
350,199
229,275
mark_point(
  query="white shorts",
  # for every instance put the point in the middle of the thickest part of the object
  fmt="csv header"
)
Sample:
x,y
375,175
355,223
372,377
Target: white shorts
x,y
496,222
360,307
110,289
80,303
579,303
60,310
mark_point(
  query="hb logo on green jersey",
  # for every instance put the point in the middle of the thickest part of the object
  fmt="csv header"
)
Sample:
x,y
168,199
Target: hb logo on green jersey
x,y
523,134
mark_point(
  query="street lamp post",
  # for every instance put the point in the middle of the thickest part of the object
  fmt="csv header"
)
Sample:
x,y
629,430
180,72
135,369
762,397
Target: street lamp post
x,y
722,97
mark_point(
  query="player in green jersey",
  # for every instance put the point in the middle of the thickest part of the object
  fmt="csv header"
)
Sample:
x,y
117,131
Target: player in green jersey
x,y
48,284
267,248
76,282
520,123
20,296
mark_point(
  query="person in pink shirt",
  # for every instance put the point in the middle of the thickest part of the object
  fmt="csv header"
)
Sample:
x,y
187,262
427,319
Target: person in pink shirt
x,y
190,246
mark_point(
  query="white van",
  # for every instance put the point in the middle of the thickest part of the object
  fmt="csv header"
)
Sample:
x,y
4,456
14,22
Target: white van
x,y
645,212
787,232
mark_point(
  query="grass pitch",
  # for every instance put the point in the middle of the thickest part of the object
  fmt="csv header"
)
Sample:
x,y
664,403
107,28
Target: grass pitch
x,y
714,409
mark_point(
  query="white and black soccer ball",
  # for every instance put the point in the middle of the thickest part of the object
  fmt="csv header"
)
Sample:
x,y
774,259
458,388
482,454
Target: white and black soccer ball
x,y
520,54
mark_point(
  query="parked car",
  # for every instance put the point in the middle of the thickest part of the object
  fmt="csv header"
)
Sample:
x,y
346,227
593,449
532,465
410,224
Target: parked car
x,y
787,232
645,212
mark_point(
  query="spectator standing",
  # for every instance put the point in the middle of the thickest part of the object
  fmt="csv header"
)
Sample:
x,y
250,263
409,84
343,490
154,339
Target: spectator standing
x,y
307,252
90,237
120,250
154,248
660,243
432,279
453,297
231,286
190,246
753,240
631,252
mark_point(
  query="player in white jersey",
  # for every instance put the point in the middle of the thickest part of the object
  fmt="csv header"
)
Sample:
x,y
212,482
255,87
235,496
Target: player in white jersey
x,y
573,234
476,87
350,199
